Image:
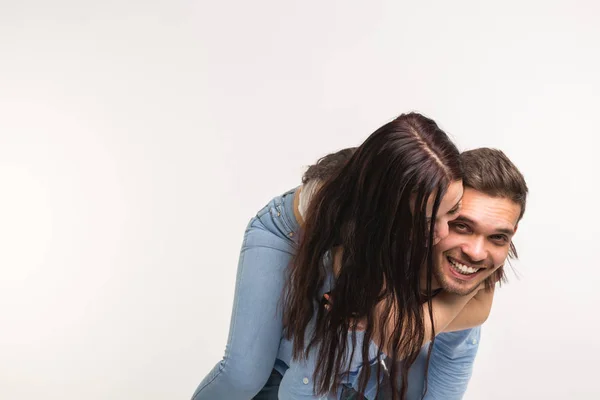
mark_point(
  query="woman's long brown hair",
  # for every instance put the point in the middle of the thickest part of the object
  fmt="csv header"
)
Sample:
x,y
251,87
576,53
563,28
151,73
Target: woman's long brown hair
x,y
365,209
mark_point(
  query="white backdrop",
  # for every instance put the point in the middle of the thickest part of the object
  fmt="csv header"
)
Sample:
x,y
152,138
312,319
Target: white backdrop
x,y
138,137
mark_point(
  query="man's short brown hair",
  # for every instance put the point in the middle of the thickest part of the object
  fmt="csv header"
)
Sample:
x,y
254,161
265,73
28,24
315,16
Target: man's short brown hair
x,y
327,165
489,171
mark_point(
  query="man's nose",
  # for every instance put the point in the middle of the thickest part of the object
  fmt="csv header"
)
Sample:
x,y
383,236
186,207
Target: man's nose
x,y
475,249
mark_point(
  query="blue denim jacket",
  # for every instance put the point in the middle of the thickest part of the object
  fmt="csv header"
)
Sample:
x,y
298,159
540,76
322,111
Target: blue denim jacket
x,y
256,346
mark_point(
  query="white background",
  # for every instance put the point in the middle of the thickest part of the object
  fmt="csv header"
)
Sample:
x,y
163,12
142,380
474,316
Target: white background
x,y
138,137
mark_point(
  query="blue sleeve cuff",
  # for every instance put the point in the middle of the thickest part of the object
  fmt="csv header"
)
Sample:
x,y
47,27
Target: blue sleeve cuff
x,y
451,364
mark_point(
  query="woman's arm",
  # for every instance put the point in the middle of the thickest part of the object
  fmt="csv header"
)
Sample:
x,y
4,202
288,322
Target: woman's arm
x,y
475,312
256,326
445,306
451,312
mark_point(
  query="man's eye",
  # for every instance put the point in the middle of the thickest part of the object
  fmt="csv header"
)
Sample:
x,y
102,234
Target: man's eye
x,y
500,239
460,227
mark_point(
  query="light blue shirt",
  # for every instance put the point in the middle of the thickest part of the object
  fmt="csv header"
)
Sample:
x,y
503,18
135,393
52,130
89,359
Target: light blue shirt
x,y
450,370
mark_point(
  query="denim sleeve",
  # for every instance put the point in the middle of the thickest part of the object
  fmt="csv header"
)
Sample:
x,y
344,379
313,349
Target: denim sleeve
x,y
256,326
451,364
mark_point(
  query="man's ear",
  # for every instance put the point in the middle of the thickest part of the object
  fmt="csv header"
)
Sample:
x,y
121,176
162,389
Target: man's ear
x,y
516,227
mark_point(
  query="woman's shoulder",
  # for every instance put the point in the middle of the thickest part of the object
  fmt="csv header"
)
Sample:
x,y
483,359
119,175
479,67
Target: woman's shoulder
x,y
307,192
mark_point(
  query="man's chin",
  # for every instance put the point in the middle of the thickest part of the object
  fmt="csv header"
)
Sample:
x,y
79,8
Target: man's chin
x,y
461,288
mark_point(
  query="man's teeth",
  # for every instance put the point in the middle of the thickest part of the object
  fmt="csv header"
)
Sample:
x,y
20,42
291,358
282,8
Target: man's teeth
x,y
463,269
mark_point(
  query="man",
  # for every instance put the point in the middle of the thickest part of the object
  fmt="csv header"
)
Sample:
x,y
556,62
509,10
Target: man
x,y
475,251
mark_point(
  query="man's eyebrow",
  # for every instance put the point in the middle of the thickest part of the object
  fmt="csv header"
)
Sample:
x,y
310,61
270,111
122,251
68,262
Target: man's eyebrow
x,y
462,218
505,230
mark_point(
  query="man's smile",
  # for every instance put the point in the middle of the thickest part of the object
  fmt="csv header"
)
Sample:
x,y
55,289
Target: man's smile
x,y
462,270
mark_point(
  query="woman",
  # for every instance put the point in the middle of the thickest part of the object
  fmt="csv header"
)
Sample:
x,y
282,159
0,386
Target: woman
x,y
376,212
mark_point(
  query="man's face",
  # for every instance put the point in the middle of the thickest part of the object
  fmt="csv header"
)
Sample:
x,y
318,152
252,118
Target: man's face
x,y
478,242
